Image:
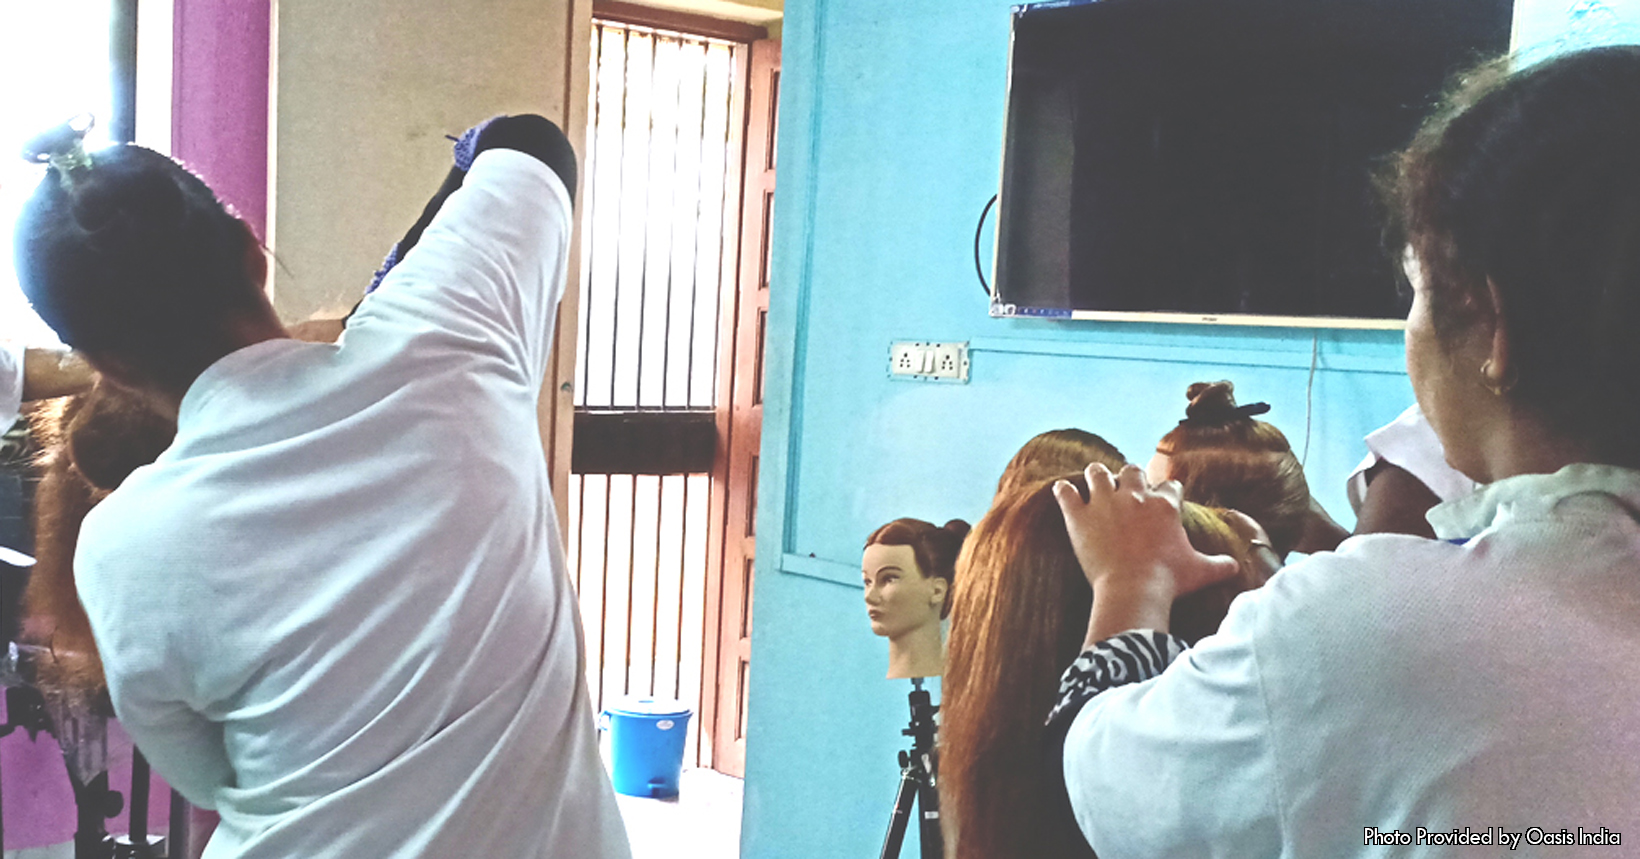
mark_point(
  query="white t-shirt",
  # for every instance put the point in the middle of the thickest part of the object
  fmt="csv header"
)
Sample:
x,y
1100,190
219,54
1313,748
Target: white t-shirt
x,y
11,383
1395,684
336,610
1409,442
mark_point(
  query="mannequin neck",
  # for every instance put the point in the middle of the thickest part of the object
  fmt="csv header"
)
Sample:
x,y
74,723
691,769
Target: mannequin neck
x,y
918,653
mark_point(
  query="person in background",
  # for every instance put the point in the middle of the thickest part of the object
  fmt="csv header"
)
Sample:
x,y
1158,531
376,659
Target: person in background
x,y
1404,475
29,373
1479,684
335,609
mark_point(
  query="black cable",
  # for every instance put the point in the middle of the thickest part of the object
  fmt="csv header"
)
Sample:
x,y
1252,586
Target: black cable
x,y
980,228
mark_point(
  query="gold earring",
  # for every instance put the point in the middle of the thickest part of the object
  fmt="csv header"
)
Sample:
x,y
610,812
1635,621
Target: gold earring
x,y
1498,386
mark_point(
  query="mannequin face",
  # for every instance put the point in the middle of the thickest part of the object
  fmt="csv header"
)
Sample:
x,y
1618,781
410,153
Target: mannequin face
x,y
899,598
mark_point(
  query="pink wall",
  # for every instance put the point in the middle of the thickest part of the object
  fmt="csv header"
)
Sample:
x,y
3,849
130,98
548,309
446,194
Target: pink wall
x,y
219,99
219,128
39,801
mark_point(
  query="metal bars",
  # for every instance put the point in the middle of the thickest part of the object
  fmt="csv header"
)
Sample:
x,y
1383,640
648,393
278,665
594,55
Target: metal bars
x,y
660,179
660,168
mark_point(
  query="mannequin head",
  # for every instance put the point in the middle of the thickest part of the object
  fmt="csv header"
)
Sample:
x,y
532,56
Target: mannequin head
x,y
1056,452
1225,458
908,570
1019,619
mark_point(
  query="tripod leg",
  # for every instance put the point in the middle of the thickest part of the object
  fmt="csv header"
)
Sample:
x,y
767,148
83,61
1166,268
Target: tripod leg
x,y
176,845
903,799
928,801
93,799
137,808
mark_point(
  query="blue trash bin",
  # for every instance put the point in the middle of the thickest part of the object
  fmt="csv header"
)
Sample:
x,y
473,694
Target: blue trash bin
x,y
646,745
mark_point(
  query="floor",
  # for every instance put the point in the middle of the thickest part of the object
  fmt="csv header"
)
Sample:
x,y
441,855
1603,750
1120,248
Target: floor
x,y
60,851
701,822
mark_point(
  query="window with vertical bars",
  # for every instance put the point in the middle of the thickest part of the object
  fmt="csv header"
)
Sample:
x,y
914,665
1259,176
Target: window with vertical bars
x,y
661,168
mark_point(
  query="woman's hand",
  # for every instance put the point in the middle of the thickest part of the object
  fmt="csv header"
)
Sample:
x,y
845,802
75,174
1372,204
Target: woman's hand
x,y
1261,554
1133,549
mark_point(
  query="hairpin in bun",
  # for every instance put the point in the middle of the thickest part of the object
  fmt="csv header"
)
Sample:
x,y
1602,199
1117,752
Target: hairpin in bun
x,y
1215,403
63,147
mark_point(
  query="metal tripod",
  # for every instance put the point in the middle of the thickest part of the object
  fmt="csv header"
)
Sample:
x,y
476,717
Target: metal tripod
x,y
919,781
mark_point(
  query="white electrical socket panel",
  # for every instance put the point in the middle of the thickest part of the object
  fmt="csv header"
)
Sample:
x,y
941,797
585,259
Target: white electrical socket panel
x,y
928,362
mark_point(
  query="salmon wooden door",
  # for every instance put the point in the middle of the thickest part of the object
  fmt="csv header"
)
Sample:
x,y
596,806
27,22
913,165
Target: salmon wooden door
x,y
740,422
678,181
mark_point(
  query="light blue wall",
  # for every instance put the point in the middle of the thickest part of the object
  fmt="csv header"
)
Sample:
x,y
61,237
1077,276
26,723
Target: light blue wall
x,y
890,130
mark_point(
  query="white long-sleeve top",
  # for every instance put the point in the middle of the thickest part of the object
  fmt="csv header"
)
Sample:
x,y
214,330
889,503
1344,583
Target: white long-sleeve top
x,y
11,383
336,609
1410,443
1399,683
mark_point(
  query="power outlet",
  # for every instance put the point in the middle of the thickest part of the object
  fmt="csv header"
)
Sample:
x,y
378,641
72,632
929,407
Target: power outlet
x,y
905,359
951,361
928,362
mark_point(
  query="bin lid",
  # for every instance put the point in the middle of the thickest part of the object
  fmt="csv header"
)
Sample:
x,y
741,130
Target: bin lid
x,y
654,708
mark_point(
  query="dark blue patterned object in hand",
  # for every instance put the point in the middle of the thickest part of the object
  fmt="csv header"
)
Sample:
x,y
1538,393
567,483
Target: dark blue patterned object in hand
x,y
467,145
381,273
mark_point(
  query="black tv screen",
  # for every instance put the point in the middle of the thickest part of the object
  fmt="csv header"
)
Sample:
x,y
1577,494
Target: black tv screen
x,y
1215,158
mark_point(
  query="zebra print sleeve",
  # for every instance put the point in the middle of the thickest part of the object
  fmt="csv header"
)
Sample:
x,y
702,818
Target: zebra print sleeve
x,y
1131,657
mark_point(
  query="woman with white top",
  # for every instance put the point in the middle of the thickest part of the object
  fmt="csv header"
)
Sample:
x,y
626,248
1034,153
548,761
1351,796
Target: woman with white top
x,y
1475,691
335,609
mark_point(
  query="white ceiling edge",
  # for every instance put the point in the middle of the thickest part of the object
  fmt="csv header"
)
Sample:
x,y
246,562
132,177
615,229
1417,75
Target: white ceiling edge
x,y
759,12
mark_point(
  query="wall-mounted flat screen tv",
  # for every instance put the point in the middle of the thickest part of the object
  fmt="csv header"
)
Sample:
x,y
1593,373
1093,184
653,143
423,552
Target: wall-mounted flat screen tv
x,y
1213,160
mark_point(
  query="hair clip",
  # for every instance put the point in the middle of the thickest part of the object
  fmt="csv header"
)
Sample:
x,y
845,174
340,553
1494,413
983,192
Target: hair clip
x,y
63,148
1227,415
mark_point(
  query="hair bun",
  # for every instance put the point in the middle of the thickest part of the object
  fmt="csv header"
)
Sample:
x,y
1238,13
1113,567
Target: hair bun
x,y
1215,403
1211,400
957,528
116,205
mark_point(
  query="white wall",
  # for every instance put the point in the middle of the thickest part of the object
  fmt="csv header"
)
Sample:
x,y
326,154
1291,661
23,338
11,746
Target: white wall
x,y
363,93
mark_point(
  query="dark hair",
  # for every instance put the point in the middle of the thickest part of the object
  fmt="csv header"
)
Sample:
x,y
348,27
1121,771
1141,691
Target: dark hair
x,y
1017,624
135,257
1054,453
934,546
1225,458
1530,179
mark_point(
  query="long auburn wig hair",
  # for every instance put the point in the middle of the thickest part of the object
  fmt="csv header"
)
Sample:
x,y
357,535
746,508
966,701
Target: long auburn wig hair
x,y
1053,453
89,444
1018,622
